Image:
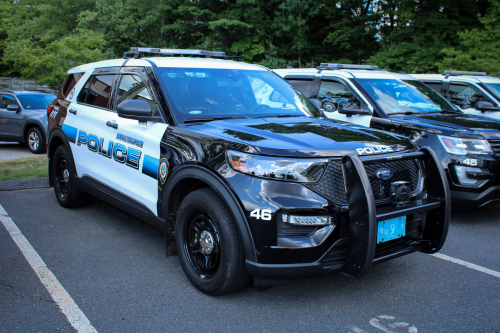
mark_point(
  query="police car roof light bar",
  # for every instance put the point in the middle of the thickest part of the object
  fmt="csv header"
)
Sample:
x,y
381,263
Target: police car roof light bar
x,y
457,73
331,67
138,52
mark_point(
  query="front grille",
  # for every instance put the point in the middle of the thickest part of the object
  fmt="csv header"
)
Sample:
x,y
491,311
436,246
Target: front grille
x,y
331,185
495,146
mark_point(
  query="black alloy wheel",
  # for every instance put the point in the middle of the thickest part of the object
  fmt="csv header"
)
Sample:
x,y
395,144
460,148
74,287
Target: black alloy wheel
x,y
202,245
64,178
208,244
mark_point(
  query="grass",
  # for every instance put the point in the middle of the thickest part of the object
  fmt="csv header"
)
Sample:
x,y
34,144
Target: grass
x,y
33,167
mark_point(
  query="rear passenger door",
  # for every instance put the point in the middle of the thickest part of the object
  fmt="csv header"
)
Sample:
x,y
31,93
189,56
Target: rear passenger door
x,y
132,165
85,123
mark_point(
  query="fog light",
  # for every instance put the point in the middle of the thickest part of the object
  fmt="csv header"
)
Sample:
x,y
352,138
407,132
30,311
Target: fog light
x,y
400,193
306,220
463,179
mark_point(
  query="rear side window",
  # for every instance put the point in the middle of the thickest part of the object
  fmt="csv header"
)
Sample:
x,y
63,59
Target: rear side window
x,y
97,91
69,84
304,86
436,86
8,100
132,87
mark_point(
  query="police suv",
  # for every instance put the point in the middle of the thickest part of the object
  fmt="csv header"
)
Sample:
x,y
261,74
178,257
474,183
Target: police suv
x,y
468,146
474,92
240,170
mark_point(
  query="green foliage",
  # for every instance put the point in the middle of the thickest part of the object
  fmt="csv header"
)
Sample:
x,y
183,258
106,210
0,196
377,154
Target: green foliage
x,y
479,49
42,39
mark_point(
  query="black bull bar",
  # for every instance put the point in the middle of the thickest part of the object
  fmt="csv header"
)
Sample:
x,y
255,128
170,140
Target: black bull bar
x,y
364,215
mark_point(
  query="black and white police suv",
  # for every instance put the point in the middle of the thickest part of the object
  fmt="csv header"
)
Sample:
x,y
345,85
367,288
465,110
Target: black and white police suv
x,y
476,93
468,146
240,170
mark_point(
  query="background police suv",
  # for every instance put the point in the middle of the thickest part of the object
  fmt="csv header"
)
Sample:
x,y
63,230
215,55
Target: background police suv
x,y
240,171
468,146
474,92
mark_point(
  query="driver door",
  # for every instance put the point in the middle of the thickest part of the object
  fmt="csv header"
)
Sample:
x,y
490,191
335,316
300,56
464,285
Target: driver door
x,y
10,121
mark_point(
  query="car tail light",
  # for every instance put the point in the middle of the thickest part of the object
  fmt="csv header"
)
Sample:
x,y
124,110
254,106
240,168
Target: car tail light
x,y
50,108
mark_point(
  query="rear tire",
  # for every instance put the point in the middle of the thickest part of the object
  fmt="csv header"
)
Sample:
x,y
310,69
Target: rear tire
x,y
208,244
35,141
64,176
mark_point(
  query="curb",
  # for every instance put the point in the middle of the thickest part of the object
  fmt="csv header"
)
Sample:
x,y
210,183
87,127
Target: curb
x,y
24,184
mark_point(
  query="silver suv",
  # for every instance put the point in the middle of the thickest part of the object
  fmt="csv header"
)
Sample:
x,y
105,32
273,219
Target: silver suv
x,y
23,118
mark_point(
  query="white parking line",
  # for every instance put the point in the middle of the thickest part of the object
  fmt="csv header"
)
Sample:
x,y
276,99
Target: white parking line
x,y
467,264
63,300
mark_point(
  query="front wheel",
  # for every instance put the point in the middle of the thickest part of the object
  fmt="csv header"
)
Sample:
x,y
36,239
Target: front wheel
x,y
208,244
64,176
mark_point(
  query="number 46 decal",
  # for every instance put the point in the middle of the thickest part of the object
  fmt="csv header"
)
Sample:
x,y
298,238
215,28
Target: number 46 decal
x,y
264,214
470,161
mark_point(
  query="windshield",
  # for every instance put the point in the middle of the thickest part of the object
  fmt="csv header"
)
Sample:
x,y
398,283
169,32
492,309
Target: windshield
x,y
494,89
36,101
403,96
197,93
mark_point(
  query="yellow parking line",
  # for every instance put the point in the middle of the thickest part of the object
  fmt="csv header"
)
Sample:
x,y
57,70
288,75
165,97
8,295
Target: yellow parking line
x,y
4,152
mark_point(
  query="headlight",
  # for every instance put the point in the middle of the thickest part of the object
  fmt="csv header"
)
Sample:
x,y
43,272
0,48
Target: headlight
x,y
279,168
459,146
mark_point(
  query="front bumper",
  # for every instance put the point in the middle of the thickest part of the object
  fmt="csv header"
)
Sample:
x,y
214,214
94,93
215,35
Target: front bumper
x,y
489,197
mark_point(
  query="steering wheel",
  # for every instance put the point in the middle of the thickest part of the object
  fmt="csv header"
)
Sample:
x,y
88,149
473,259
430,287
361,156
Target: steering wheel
x,y
263,106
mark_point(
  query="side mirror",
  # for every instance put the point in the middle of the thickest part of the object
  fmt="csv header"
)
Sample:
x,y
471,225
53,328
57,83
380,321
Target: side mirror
x,y
13,107
134,109
486,106
350,109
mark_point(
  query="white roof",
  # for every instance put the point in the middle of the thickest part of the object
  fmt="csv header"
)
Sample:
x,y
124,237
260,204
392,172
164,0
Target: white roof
x,y
346,73
460,78
180,62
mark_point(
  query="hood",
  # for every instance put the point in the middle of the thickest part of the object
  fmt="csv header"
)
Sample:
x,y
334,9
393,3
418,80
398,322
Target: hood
x,y
303,137
453,125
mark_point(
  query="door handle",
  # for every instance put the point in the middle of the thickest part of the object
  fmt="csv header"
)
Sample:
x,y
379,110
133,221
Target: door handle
x,y
73,111
112,124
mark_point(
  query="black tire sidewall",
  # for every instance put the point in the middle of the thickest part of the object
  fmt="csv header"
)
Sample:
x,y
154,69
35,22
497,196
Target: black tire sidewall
x,y
41,145
222,281
61,152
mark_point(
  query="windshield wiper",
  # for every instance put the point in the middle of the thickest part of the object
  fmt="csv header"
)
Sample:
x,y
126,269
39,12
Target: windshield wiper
x,y
447,111
407,113
195,120
282,116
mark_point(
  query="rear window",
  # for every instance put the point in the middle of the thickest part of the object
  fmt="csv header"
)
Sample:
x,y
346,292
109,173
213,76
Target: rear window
x,y
69,84
97,91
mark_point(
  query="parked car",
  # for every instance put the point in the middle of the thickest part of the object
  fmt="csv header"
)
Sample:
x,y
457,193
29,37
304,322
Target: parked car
x,y
467,146
23,118
243,186
474,92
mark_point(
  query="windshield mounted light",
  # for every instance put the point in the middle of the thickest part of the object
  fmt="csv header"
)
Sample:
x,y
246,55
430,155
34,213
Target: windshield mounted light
x,y
460,146
278,168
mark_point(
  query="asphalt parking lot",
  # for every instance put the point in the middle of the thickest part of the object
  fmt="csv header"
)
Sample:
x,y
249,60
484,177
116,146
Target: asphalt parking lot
x,y
113,267
14,150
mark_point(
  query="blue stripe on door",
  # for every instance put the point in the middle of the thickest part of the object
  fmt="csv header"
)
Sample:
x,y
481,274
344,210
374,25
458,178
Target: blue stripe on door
x,y
150,166
70,132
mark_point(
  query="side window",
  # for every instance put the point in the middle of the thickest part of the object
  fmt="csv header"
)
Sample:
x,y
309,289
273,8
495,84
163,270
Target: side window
x,y
83,93
132,87
304,86
336,90
8,100
100,90
436,86
461,92
69,83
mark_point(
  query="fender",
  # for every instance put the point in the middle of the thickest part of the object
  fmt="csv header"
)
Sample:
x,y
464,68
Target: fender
x,y
224,191
56,133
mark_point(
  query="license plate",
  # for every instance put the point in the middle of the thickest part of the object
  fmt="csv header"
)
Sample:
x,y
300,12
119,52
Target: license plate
x,y
391,229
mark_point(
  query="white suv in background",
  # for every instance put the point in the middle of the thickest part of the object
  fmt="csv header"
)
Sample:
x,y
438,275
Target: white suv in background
x,y
474,92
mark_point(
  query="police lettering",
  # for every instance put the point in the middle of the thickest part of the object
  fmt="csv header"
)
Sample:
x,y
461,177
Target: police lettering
x,y
374,149
119,152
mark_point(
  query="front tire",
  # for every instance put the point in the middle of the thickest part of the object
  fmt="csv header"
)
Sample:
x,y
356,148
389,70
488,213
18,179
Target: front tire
x,y
35,141
208,245
64,176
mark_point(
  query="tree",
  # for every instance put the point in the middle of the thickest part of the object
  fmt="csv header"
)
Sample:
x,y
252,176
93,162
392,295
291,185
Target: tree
x,y
479,49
